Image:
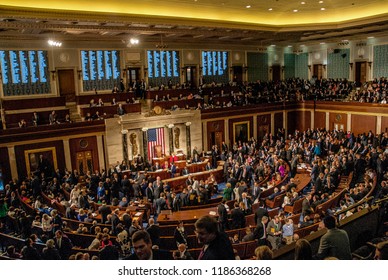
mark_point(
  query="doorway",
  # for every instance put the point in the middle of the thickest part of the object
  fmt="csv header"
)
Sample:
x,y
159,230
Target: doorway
x,y
84,162
215,139
317,71
238,74
360,72
276,73
67,84
190,77
133,75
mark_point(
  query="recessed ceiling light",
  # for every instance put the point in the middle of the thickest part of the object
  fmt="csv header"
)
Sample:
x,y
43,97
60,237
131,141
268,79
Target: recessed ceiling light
x,y
247,6
270,9
320,2
295,11
322,9
302,3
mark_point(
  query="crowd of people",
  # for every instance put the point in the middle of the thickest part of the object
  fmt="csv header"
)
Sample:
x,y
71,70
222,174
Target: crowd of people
x,y
250,168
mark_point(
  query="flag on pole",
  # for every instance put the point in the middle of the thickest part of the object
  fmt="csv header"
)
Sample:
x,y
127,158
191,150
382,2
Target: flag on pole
x,y
155,137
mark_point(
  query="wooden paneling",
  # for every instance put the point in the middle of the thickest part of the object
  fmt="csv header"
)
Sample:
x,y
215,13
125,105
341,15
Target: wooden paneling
x,y
337,118
32,103
4,165
11,120
384,124
361,124
319,120
278,121
213,129
110,110
81,145
106,98
300,120
232,123
48,131
20,158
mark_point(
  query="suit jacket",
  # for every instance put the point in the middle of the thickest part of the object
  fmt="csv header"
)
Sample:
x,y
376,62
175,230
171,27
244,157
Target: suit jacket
x,y
64,248
154,232
218,249
238,218
334,243
260,212
156,255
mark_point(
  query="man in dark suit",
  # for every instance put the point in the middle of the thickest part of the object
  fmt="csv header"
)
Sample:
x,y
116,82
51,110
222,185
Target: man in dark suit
x,y
154,232
104,211
238,218
142,245
223,216
260,231
63,245
260,212
217,245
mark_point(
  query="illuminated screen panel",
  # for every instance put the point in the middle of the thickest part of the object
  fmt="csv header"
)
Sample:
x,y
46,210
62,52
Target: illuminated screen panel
x,y
163,66
24,72
100,69
215,66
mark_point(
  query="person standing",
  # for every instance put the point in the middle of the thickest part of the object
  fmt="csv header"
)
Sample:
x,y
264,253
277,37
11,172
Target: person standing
x,y
216,244
335,242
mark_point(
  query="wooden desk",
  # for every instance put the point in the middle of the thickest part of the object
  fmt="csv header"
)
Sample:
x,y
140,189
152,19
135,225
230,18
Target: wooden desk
x,y
189,216
178,183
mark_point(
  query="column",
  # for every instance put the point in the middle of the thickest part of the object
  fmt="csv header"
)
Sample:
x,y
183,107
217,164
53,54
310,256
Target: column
x,y
12,162
255,126
101,154
327,122
124,134
378,125
66,149
349,121
145,142
170,138
273,123
188,140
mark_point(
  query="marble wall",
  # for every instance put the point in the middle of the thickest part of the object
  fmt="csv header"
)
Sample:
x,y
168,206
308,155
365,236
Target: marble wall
x,y
131,125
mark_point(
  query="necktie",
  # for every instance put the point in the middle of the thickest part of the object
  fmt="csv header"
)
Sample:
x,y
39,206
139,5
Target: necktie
x,y
201,253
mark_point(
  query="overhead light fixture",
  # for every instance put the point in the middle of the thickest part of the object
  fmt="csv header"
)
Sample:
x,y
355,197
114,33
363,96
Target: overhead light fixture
x,y
320,2
295,11
134,41
322,9
161,45
248,6
270,9
302,3
54,43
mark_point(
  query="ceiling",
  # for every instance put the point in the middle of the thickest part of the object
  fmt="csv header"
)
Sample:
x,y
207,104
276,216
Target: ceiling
x,y
221,23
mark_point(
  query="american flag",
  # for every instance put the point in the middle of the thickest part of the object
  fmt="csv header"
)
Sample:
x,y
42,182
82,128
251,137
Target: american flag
x,y
155,137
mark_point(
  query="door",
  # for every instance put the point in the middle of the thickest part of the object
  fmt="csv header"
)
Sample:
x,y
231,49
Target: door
x,y
263,129
360,72
190,76
84,162
276,73
238,74
67,84
215,139
133,75
317,71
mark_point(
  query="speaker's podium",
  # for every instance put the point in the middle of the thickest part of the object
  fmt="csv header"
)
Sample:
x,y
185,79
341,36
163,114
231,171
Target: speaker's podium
x,y
166,213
